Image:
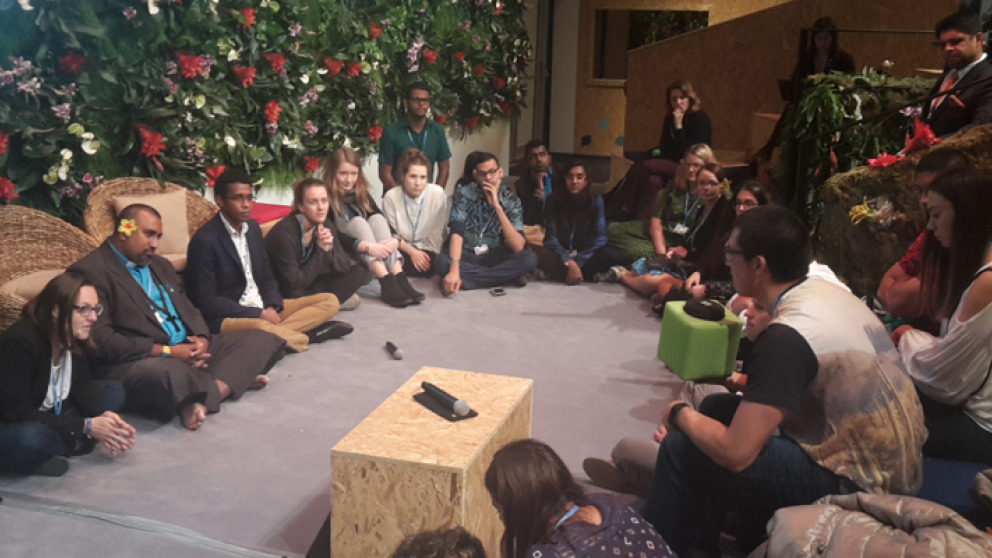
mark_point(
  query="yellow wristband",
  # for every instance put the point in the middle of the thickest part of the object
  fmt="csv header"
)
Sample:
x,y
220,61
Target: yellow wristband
x,y
166,350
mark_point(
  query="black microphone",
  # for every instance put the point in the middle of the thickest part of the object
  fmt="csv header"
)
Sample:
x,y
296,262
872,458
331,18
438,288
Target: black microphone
x,y
395,351
456,406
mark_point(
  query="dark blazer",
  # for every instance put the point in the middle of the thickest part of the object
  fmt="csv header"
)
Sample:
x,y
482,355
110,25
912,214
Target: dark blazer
x,y
295,274
696,128
951,117
215,279
27,361
128,328
533,207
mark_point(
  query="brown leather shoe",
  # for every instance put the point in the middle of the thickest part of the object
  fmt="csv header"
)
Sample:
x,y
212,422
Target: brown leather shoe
x,y
605,474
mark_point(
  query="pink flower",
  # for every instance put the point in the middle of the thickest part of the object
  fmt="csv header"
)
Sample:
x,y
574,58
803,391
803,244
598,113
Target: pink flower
x,y
72,63
294,29
311,129
129,12
923,136
63,111
4,142
884,160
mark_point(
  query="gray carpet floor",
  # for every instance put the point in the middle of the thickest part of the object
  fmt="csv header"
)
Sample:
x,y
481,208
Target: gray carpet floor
x,y
255,480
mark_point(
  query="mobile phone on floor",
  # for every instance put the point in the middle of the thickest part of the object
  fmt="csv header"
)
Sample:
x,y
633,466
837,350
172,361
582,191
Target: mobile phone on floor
x,y
497,291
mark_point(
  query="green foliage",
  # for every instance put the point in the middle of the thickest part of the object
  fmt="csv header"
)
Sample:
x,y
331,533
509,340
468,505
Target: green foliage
x,y
92,87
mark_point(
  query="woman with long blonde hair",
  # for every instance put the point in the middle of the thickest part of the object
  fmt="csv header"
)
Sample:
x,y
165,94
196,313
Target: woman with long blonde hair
x,y
355,213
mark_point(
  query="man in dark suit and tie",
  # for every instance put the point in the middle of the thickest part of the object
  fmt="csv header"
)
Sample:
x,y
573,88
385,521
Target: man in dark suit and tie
x,y
967,73
152,338
229,278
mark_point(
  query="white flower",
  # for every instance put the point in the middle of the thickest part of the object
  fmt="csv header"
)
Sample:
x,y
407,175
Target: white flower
x,y
25,5
305,78
89,145
291,143
229,141
153,7
66,154
233,55
347,142
200,101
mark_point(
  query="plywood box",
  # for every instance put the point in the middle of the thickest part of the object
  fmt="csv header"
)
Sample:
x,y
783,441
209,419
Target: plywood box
x,y
404,469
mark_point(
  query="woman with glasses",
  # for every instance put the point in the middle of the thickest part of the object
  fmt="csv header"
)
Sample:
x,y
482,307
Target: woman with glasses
x,y
952,372
355,213
716,217
50,408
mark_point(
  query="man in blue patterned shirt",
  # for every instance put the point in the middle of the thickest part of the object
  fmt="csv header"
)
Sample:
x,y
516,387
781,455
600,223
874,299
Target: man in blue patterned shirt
x,y
486,246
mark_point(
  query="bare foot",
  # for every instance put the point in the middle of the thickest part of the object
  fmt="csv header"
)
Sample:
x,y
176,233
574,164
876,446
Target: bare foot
x,y
193,415
223,389
260,382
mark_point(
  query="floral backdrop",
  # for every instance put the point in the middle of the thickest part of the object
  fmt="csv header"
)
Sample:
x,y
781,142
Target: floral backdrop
x,y
176,89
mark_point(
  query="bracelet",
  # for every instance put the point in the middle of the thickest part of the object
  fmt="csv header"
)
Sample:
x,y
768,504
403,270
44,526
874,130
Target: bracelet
x,y
88,431
453,260
673,415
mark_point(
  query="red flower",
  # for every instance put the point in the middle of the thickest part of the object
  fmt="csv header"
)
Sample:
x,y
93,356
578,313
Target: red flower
x,y
190,65
884,160
151,142
498,83
277,61
460,56
214,173
249,15
3,142
72,63
375,30
471,122
7,190
923,137
441,119
499,8
506,107
375,132
247,75
272,111
354,68
333,65
430,56
480,69
311,164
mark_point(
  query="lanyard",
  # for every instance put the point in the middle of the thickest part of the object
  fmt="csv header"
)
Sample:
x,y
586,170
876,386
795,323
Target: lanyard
x,y
58,387
406,207
566,517
781,294
164,307
303,240
423,142
688,207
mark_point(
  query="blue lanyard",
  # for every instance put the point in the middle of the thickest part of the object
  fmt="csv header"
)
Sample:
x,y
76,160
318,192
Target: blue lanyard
x,y
781,294
303,238
688,207
568,515
423,142
406,208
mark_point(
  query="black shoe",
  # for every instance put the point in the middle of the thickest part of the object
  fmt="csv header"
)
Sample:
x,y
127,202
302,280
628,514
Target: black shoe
x,y
416,296
55,467
520,281
331,329
392,293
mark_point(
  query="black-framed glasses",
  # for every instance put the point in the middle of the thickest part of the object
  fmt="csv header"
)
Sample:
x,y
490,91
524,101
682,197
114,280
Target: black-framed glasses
x,y
488,173
728,253
86,310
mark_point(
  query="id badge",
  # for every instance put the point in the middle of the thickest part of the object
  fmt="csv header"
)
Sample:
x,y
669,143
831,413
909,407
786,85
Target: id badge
x,y
160,318
481,249
573,253
680,228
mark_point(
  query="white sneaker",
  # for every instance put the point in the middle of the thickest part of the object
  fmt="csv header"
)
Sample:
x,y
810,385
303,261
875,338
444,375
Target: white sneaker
x,y
615,273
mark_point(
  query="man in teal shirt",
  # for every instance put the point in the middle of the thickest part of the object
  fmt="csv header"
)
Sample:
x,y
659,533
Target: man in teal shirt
x,y
416,130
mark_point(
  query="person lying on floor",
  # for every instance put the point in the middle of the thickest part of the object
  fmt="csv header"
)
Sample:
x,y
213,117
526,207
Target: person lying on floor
x,y
575,231
355,213
50,408
418,212
309,255
154,340
486,247
228,276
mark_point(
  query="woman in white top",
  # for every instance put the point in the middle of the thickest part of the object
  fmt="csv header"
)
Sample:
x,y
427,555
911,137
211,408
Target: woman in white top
x,y
418,212
355,213
952,371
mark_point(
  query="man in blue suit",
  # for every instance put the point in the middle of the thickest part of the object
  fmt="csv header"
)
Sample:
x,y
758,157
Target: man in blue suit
x,y
228,276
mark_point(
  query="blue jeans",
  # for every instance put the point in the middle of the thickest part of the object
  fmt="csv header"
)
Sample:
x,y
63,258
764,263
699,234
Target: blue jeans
x,y
25,446
692,493
495,268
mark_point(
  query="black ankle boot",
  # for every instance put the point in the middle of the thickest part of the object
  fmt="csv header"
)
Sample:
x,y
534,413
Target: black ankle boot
x,y
392,293
416,296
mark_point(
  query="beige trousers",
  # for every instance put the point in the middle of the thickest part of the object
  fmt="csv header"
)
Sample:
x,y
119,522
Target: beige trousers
x,y
298,315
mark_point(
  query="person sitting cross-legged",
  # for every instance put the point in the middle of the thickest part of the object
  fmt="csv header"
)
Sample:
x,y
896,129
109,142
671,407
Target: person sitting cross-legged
x,y
418,212
824,374
486,247
152,338
229,278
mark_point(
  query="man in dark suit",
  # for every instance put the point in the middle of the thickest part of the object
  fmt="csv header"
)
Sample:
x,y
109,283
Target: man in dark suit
x,y
967,74
152,338
229,278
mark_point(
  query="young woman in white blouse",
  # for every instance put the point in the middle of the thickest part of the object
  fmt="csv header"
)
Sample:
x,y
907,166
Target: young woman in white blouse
x,y
418,212
952,371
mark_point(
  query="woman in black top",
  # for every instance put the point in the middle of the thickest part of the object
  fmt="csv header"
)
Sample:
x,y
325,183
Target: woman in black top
x,y
686,124
50,408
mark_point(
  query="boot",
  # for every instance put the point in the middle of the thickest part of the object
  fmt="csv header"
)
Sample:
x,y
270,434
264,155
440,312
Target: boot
x,y
392,293
416,296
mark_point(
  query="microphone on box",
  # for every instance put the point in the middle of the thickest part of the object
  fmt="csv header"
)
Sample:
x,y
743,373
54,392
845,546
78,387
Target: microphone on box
x,y
395,351
457,406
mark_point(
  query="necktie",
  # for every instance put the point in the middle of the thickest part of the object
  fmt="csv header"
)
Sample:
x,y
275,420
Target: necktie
x,y
952,78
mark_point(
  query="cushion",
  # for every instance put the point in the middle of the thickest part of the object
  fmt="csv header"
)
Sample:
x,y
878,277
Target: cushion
x,y
172,206
30,285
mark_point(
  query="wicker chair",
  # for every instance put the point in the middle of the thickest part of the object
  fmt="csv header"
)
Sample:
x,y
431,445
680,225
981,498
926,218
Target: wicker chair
x,y
34,241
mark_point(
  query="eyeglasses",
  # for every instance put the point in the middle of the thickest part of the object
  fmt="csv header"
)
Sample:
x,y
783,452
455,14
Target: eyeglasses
x,y
241,199
421,100
488,173
748,203
728,253
86,310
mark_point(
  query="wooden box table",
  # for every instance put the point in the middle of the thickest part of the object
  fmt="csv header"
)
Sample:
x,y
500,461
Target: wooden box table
x,y
404,469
